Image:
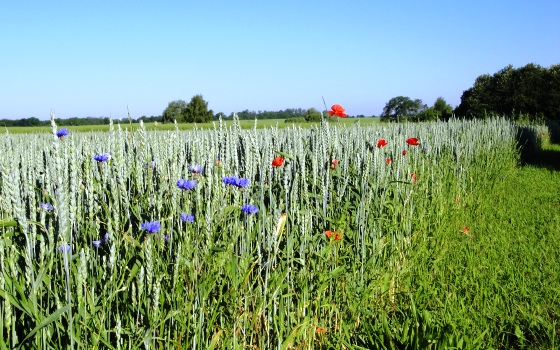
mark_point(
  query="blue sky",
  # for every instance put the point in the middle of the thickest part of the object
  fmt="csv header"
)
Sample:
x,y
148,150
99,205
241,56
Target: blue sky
x,y
95,58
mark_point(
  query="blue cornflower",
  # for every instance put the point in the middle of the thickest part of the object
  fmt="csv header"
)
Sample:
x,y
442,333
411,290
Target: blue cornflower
x,y
235,181
241,182
62,132
47,206
187,217
103,157
65,248
99,243
229,180
152,226
195,168
186,184
250,209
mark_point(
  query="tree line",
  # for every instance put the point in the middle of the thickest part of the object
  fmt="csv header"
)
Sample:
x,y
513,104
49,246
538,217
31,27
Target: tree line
x,y
527,93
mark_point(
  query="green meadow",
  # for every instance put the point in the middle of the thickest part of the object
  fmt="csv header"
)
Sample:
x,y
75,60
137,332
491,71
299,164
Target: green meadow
x,y
262,235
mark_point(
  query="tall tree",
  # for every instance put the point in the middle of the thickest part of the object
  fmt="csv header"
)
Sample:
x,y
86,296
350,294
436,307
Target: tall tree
x,y
197,111
174,111
528,92
400,108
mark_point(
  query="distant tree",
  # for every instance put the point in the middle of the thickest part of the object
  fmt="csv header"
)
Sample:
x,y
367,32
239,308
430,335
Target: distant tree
x,y
197,111
400,108
174,111
439,111
312,115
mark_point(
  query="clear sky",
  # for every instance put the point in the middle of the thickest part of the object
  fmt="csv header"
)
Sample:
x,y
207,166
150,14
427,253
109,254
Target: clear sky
x,y
95,58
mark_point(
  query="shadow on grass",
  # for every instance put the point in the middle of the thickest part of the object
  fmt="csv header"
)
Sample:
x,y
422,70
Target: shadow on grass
x,y
547,158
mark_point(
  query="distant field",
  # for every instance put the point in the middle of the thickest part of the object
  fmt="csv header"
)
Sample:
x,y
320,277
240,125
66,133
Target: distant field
x,y
245,124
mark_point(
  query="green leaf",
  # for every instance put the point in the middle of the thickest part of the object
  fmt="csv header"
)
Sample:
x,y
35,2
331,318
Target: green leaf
x,y
50,319
8,222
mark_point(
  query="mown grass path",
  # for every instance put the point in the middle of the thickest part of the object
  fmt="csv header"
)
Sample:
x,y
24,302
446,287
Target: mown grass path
x,y
491,279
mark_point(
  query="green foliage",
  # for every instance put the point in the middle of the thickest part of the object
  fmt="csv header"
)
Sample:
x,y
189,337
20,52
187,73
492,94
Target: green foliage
x,y
439,111
174,111
297,120
196,111
401,108
283,114
312,115
530,92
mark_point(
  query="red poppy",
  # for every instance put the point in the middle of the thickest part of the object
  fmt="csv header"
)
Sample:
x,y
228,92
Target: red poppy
x,y
338,111
334,163
543,133
404,153
413,141
414,178
388,160
335,235
381,143
320,330
278,161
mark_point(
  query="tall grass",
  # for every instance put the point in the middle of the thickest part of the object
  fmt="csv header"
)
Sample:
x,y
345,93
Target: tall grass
x,y
230,279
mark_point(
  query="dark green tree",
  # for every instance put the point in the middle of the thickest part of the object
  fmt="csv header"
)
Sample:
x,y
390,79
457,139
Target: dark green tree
x,y
197,111
174,111
312,115
530,92
401,108
439,111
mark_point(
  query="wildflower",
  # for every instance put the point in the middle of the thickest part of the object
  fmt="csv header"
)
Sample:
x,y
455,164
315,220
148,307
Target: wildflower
x,y
151,226
338,111
388,160
229,180
543,133
466,231
241,182
234,181
404,152
61,133
65,248
381,143
334,163
186,184
165,237
195,169
412,141
278,161
47,206
187,217
250,209
103,157
333,235
99,243
320,330
413,176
